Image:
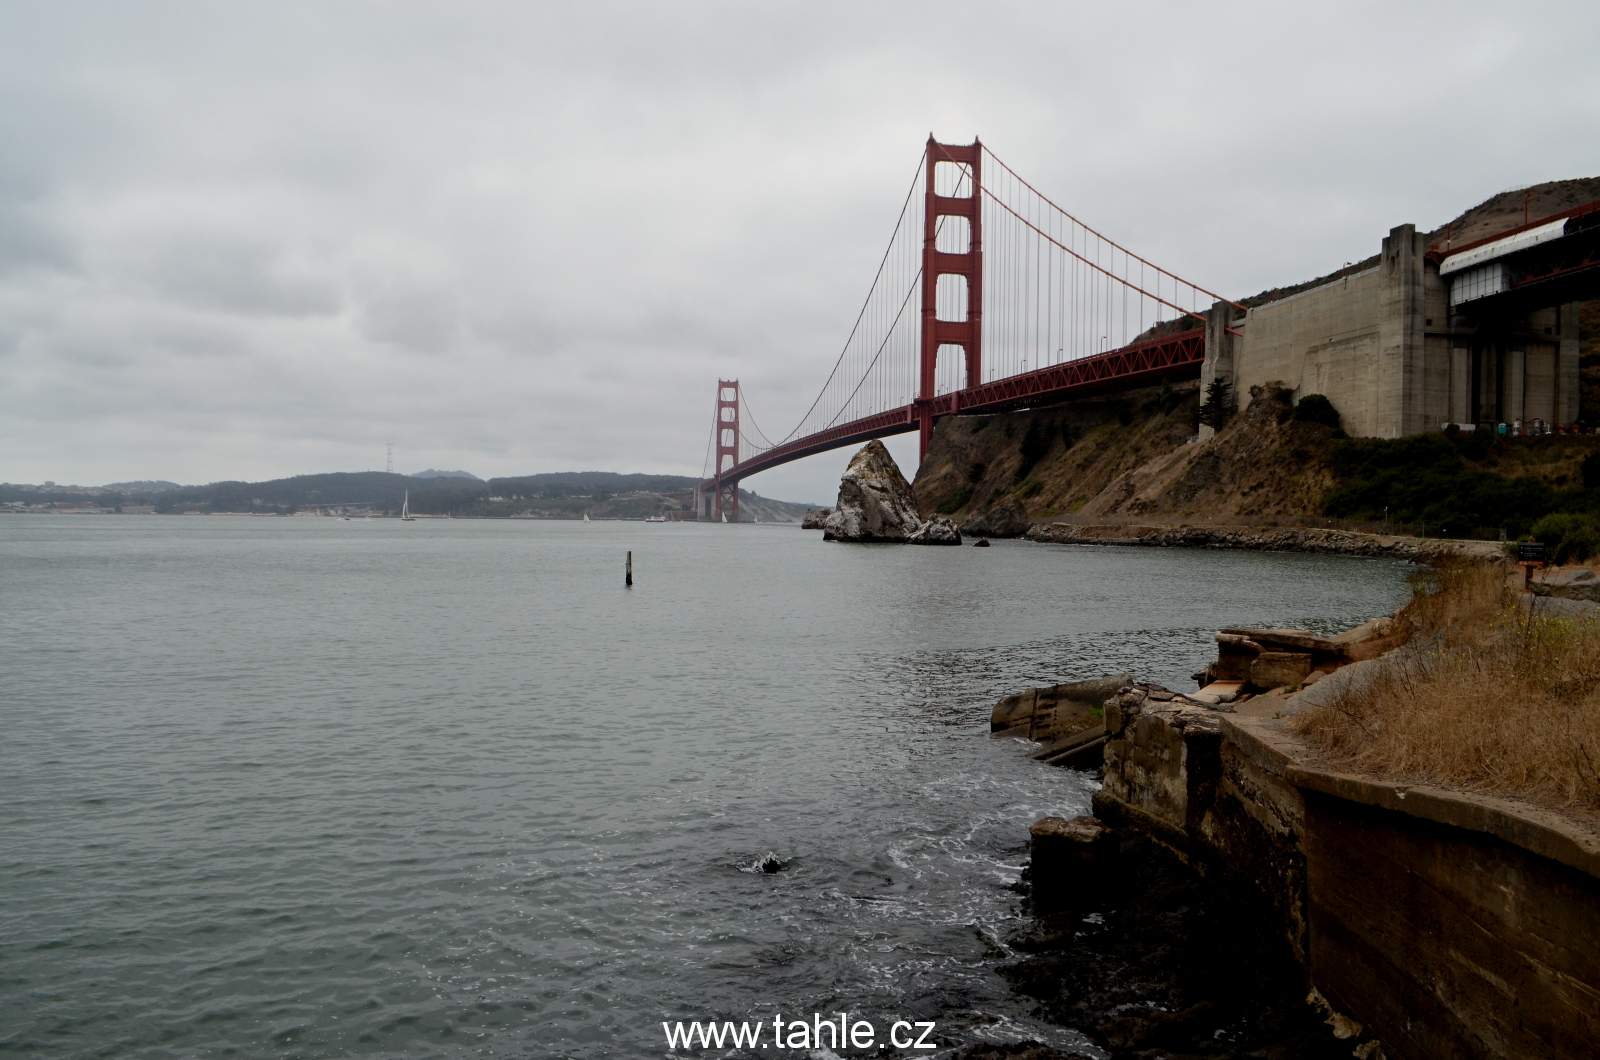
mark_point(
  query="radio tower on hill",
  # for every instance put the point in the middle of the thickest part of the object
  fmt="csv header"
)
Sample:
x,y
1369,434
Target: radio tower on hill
x,y
391,458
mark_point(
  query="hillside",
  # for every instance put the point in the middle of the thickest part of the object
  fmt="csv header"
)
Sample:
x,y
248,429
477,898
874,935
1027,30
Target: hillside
x,y
562,495
1264,467
1052,460
1127,456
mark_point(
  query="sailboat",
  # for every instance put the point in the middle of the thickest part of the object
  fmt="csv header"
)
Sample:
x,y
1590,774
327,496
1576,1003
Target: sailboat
x,y
586,517
405,509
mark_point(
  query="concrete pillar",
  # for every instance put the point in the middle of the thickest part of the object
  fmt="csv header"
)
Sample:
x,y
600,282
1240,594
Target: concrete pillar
x,y
1220,354
1567,364
1399,398
1460,386
1489,382
1516,378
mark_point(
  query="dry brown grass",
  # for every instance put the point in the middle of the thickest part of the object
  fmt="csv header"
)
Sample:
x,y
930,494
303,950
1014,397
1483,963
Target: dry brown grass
x,y
1487,696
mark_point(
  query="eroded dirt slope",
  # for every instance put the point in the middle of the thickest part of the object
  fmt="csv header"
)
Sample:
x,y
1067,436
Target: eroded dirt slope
x,y
1053,459
1261,464
1129,457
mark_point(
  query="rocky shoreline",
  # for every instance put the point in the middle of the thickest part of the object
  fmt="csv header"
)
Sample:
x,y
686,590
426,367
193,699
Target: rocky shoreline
x,y
1236,896
1263,539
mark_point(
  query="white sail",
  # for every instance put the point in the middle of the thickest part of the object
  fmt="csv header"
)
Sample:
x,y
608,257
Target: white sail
x,y
405,508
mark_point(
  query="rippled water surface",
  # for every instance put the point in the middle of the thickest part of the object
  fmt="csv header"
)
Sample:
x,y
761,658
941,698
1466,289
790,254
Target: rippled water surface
x,y
313,788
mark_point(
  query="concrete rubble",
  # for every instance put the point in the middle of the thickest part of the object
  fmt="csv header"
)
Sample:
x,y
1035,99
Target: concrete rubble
x,y
1579,584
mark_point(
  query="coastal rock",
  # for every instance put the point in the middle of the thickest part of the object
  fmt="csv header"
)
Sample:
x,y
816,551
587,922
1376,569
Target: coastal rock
x,y
1265,539
875,500
815,519
936,531
1571,585
1006,519
1069,861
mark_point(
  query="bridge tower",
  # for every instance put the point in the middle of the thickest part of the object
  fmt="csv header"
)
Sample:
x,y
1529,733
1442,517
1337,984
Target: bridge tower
x,y
968,333
727,492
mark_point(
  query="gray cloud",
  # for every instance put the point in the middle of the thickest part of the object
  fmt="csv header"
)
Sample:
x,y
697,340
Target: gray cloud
x,y
258,239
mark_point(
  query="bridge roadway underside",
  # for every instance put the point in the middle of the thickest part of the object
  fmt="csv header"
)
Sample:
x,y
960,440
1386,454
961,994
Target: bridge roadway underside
x,y
1173,357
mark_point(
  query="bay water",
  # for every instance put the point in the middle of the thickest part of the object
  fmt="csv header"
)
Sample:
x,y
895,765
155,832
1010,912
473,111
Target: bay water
x,y
308,787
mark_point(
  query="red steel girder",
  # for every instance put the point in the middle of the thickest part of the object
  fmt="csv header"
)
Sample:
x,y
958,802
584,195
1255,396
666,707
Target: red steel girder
x,y
1142,364
1175,356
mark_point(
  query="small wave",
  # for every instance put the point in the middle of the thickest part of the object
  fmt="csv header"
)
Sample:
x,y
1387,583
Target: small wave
x,y
766,863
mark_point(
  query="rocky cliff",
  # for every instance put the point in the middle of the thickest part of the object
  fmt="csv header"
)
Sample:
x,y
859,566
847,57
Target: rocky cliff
x,y
1131,455
1261,464
1048,461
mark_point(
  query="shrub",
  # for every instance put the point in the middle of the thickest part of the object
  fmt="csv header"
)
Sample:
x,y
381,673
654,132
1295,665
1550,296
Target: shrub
x,y
1423,478
1570,538
1315,408
1165,400
1590,469
955,500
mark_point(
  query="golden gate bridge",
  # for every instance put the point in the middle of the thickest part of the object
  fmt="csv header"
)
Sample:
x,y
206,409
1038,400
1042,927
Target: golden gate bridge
x,y
1018,303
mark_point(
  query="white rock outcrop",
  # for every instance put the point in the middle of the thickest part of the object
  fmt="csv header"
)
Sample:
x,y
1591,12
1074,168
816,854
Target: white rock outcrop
x,y
936,531
875,500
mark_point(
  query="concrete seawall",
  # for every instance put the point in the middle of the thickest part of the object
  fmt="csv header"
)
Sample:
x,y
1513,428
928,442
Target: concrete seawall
x,y
1432,923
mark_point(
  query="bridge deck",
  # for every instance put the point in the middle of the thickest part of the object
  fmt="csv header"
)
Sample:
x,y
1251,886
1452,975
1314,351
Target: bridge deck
x,y
1174,357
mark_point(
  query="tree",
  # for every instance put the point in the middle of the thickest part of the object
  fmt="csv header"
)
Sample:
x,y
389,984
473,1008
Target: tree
x,y
1217,408
1315,408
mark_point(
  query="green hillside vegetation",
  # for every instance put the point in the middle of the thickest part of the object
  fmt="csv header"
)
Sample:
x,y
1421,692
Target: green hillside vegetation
x,y
1461,483
377,489
588,483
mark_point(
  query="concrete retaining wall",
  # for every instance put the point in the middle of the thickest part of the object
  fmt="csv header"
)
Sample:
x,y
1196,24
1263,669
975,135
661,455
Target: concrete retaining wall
x,y
1444,924
1385,347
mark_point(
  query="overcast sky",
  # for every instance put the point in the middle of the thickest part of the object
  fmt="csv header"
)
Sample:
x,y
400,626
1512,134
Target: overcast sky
x,y
252,240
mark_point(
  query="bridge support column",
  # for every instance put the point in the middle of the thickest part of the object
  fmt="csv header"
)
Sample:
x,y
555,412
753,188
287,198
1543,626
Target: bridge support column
x,y
1219,353
966,332
727,490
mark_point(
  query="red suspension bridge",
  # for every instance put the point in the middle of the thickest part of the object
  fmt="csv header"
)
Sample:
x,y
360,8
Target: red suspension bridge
x,y
1021,304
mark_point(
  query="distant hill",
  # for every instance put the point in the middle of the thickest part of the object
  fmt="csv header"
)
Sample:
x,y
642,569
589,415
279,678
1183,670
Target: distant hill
x,y
555,495
376,489
431,473
588,483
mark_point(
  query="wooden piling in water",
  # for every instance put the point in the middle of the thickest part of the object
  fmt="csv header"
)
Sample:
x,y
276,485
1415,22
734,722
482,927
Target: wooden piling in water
x,y
628,579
